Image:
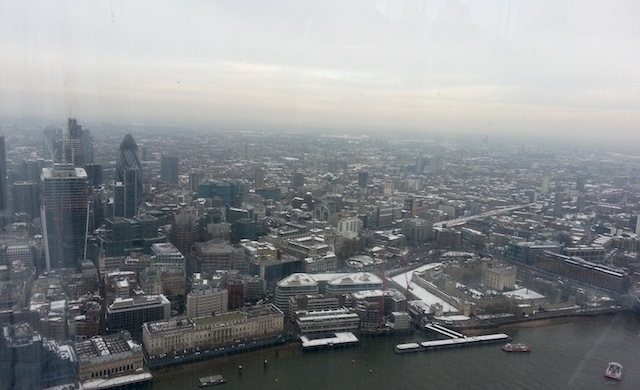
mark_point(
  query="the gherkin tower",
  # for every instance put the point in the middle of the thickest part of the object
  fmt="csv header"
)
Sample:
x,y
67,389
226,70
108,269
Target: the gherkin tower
x,y
128,189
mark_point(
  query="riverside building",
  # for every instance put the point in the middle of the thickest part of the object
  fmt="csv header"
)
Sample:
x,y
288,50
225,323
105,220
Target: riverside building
x,y
260,321
102,359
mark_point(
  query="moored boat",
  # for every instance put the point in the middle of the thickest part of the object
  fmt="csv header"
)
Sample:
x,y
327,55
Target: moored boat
x,y
211,380
516,347
614,371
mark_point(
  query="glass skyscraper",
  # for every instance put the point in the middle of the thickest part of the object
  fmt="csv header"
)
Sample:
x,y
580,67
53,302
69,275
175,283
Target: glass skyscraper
x,y
128,189
64,213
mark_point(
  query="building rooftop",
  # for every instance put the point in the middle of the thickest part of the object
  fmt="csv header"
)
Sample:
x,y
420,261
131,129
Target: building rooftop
x,y
140,300
164,248
63,171
100,348
298,279
219,319
357,278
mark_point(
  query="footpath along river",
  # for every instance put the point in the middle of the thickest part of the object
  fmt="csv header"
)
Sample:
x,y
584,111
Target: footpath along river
x,y
565,356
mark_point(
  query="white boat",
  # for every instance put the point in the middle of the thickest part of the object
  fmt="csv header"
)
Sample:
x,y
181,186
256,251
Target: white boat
x,y
516,347
614,371
212,380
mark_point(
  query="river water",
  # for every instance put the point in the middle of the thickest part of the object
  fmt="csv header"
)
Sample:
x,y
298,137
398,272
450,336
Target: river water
x,y
564,356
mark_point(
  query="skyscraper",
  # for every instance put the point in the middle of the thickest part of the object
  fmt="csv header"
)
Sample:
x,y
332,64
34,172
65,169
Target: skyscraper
x,y
169,169
129,173
64,213
77,144
3,174
259,178
363,179
26,198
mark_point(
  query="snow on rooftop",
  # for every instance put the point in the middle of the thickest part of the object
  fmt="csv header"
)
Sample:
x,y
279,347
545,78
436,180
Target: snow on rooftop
x,y
420,292
523,293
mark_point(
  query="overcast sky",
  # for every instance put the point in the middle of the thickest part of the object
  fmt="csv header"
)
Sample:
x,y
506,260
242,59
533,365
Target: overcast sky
x,y
498,66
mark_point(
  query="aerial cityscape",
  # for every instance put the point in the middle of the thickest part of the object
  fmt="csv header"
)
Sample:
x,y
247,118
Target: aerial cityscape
x,y
323,195
164,251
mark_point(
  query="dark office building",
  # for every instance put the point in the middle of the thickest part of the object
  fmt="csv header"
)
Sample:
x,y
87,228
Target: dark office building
x,y
130,313
125,235
64,193
126,195
211,256
27,361
77,146
244,228
128,173
363,179
94,174
169,169
194,180
26,199
557,202
30,170
259,178
184,231
228,192
298,180
3,174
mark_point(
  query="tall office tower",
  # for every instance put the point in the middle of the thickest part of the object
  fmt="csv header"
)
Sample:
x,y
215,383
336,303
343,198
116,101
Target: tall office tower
x,y
77,144
363,178
169,169
388,187
298,180
184,231
557,202
194,179
259,178
94,173
580,183
65,214
3,174
26,199
545,185
30,170
128,195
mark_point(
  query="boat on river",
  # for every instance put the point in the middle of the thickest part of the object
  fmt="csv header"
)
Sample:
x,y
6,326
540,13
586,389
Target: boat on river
x,y
211,380
614,371
516,347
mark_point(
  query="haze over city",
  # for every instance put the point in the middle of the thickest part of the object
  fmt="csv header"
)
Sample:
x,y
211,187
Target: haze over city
x,y
491,68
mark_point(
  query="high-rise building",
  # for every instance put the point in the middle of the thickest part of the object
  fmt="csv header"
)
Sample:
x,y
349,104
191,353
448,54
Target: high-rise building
x,y
3,174
169,169
580,183
259,178
298,180
194,179
557,202
94,173
363,178
212,256
129,174
64,213
77,145
26,199
184,231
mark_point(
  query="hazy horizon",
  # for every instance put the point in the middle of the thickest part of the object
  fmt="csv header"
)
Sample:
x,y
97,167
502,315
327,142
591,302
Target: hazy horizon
x,y
568,69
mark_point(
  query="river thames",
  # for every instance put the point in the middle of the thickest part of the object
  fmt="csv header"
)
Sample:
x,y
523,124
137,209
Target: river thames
x,y
564,356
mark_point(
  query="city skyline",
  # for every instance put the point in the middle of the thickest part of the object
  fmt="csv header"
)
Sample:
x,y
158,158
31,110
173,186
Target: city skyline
x,y
503,67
